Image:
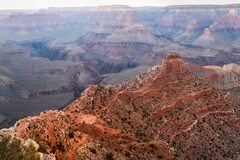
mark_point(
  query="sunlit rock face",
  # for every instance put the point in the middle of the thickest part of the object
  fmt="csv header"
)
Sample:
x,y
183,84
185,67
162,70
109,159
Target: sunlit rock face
x,y
49,56
166,113
172,63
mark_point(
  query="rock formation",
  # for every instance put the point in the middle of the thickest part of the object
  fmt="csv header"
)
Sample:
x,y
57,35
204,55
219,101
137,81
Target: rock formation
x,y
168,113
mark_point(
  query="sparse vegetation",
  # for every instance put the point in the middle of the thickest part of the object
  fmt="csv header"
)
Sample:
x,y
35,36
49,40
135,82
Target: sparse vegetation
x,y
109,156
42,148
11,149
60,147
93,150
153,146
70,134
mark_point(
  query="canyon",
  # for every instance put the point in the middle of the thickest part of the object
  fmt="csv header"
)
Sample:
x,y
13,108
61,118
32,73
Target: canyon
x,y
170,112
49,56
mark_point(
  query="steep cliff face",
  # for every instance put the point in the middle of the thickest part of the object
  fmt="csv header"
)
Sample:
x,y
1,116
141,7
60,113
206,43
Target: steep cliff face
x,y
226,77
168,113
229,21
84,44
36,20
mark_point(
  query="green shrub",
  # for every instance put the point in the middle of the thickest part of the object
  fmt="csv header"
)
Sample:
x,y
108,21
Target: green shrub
x,y
70,134
42,148
109,156
93,150
11,149
61,147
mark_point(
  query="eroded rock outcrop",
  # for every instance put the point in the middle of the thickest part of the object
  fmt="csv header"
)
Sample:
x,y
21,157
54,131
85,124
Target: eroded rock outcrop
x,y
168,113
226,77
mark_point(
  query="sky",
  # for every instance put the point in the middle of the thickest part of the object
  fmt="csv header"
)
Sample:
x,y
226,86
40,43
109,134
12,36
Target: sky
x,y
36,4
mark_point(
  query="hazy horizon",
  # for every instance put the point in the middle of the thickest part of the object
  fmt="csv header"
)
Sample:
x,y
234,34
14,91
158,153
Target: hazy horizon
x,y
33,4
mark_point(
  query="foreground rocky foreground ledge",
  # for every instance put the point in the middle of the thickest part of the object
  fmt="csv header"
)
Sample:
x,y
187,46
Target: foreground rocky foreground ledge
x,y
168,113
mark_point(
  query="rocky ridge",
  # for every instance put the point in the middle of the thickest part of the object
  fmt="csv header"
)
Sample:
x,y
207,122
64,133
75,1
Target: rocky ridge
x,y
226,77
168,113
